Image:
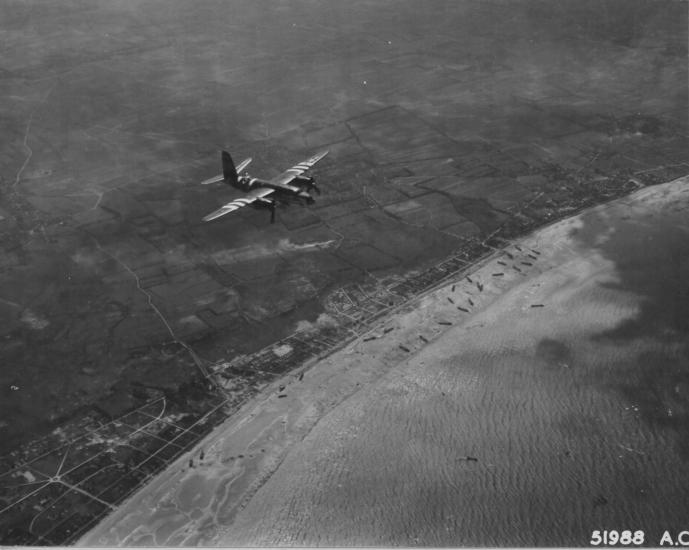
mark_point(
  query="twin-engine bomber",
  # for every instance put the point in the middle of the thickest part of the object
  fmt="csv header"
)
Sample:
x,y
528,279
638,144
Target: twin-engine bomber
x,y
264,193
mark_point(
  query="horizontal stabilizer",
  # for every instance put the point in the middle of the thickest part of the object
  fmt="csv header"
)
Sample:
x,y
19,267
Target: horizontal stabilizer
x,y
229,171
242,165
214,179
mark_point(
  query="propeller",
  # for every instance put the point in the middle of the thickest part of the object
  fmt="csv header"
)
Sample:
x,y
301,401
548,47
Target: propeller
x,y
313,186
304,194
273,208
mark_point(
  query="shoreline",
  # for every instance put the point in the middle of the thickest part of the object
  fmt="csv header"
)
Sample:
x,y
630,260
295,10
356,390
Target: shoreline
x,y
247,450
95,442
454,130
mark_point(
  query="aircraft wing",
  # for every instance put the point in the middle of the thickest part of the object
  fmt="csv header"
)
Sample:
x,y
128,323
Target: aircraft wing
x,y
297,170
238,203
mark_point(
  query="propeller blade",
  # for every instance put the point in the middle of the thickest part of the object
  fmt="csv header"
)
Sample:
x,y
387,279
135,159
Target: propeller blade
x,y
272,213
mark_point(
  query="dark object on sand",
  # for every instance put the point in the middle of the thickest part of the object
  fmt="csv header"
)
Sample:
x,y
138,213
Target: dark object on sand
x,y
532,256
510,256
463,309
479,286
301,377
537,305
423,338
469,279
404,348
281,388
369,338
600,500
498,274
501,263
535,251
518,248
453,288
515,267
388,330
450,300
282,395
527,263
471,302
444,323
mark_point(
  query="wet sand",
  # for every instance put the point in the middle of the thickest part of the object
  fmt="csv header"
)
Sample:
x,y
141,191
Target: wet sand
x,y
556,404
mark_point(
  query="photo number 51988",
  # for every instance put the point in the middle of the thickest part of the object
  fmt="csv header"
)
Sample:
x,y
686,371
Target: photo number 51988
x,y
611,538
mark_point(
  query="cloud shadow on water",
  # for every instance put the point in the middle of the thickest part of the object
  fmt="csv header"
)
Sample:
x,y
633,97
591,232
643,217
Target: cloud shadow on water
x,y
650,251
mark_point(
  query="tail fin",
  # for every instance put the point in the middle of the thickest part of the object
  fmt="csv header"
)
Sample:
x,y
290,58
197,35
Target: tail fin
x,y
229,172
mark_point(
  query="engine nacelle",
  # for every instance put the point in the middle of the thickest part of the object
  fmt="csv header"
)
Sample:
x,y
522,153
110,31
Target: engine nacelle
x,y
303,180
247,183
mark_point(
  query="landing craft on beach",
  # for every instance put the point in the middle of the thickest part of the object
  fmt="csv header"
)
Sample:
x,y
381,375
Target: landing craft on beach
x,y
264,193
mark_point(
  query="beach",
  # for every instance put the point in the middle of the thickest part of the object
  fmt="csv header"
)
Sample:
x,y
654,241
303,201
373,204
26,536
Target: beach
x,y
538,397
